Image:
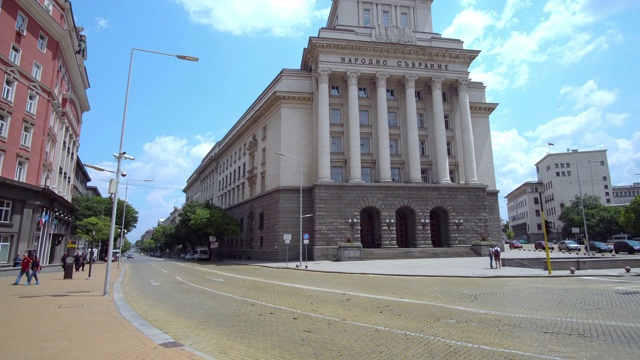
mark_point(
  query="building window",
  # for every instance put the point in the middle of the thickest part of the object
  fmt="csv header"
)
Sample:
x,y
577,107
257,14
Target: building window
x,y
557,166
336,116
364,117
568,173
4,126
424,174
535,201
8,89
36,72
5,211
391,93
261,221
564,173
5,242
21,170
604,178
367,17
404,20
47,4
537,213
366,173
14,54
365,145
449,148
395,175
447,123
362,92
1,158
336,144
385,18
445,97
606,186
32,102
21,24
606,193
392,116
418,94
42,42
557,173
393,147
27,132
423,147
452,176
420,117
336,174
335,90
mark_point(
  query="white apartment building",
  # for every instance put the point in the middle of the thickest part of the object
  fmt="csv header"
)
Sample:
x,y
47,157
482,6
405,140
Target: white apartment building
x,y
380,135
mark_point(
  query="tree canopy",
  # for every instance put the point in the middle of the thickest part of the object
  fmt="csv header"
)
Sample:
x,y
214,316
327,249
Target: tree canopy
x,y
631,217
602,221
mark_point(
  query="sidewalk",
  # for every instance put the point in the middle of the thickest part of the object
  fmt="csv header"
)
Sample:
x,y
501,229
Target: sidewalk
x,y
71,319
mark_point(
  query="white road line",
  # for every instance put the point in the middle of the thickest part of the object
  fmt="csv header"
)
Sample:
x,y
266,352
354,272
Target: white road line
x,y
376,327
472,310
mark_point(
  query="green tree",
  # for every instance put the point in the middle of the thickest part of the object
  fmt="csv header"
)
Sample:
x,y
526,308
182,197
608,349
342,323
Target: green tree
x,y
95,206
198,221
630,217
602,221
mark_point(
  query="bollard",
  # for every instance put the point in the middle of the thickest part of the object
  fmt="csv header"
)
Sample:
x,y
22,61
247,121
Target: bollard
x,y
68,267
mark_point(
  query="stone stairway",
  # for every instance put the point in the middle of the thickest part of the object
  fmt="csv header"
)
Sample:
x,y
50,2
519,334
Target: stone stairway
x,y
417,253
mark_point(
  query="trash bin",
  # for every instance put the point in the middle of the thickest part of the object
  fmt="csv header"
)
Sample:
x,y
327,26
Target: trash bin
x,y
68,267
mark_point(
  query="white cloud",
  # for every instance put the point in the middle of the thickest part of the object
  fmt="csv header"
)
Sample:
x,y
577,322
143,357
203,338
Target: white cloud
x,y
588,95
280,18
469,25
101,23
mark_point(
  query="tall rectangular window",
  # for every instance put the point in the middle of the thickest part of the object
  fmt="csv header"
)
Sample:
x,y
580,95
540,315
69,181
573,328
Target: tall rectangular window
x,y
5,242
14,54
367,17
453,176
36,72
404,20
393,147
4,126
336,116
32,102
449,148
27,133
445,98
385,18
336,144
367,174
335,90
336,174
42,42
21,170
362,92
420,117
447,123
5,211
393,119
424,174
423,147
391,93
395,175
418,94
8,89
21,24
365,145
364,117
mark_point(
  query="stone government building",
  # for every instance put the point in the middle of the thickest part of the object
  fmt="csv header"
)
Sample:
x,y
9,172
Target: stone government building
x,y
382,133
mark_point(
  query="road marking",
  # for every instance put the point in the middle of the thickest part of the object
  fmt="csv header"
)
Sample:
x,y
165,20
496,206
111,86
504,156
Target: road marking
x,y
154,283
376,327
380,297
214,279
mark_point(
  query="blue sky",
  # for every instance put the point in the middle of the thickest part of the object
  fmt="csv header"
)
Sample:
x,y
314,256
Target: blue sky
x,y
564,72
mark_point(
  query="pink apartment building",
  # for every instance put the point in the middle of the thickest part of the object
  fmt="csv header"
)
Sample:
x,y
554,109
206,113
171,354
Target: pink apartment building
x,y
44,82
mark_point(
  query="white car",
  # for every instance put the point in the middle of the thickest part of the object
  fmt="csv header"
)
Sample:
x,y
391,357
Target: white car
x,y
189,256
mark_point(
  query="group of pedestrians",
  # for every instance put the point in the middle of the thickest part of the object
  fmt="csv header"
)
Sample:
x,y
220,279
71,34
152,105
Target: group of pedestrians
x,y
494,256
30,266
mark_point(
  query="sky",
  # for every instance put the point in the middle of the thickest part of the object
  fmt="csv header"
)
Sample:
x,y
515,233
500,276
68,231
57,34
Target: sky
x,y
564,72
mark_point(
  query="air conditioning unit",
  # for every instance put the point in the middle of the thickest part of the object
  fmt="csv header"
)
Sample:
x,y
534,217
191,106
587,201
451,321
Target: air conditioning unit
x,y
21,30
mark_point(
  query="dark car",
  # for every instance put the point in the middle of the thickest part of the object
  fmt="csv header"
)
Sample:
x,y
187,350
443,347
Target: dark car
x,y
539,245
515,244
628,246
568,245
129,256
600,247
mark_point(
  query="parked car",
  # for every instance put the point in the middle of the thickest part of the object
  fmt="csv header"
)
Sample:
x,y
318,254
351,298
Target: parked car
x,y
189,256
539,245
183,255
515,244
600,247
617,237
628,246
568,245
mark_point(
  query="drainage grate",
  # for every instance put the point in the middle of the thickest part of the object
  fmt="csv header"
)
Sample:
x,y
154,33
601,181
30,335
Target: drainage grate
x,y
171,344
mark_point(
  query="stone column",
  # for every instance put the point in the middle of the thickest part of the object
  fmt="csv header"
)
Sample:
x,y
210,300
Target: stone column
x,y
413,144
324,134
384,159
468,147
440,135
355,166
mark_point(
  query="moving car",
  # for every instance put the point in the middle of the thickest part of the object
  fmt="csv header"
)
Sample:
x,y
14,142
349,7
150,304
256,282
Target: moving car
x,y
539,245
568,245
515,244
628,246
129,256
189,256
598,246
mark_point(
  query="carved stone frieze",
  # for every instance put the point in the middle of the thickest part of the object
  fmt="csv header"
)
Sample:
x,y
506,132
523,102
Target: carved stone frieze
x,y
394,34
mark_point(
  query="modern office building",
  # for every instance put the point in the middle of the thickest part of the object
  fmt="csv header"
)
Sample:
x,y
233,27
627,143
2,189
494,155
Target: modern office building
x,y
42,54
380,136
623,194
561,177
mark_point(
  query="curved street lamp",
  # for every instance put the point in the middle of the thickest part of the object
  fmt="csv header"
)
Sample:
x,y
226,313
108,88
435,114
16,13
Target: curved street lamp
x,y
124,211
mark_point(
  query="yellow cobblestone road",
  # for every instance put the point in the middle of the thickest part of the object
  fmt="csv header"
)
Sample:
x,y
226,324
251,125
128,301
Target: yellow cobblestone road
x,y
249,312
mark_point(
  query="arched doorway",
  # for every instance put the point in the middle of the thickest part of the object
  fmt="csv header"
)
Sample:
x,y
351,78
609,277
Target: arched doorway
x,y
438,220
369,228
405,224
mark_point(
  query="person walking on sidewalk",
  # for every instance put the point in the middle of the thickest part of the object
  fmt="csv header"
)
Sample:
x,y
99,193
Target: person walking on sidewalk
x,y
496,256
25,265
491,256
35,268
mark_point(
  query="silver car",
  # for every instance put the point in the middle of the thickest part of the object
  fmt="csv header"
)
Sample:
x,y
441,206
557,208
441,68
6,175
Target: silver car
x,y
568,245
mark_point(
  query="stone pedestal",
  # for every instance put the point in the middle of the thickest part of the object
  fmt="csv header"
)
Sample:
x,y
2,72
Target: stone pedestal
x,y
349,252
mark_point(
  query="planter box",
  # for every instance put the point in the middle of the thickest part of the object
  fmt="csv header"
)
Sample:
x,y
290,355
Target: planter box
x,y
349,252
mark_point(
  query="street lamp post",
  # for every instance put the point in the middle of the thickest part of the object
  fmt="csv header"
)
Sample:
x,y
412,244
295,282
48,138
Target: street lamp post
x,y
123,155
93,235
584,218
299,159
124,211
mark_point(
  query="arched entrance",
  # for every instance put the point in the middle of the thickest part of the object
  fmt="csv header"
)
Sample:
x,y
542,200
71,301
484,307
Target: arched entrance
x,y
405,225
438,220
369,228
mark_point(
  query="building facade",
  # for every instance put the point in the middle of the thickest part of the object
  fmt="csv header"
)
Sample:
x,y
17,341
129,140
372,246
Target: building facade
x,y
623,194
561,177
380,136
42,55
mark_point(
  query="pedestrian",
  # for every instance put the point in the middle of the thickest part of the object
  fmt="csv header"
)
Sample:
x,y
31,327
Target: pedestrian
x,y
25,265
35,268
496,256
83,259
77,261
17,260
491,256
